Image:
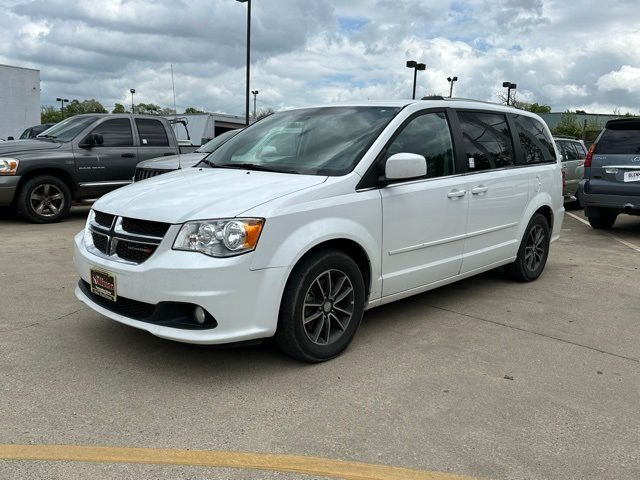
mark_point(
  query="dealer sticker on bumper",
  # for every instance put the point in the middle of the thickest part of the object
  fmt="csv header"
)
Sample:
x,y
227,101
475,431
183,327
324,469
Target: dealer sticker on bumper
x,y
632,176
104,284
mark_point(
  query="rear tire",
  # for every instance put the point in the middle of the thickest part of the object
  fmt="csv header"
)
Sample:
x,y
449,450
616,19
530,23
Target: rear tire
x,y
533,251
604,220
44,199
322,307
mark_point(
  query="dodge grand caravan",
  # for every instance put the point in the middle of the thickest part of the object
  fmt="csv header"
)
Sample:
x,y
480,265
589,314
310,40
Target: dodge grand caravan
x,y
355,206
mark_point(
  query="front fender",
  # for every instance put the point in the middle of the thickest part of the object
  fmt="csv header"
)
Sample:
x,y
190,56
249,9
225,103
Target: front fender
x,y
287,238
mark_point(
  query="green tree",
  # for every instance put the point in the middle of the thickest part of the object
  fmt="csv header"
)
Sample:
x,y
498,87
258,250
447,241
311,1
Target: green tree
x,y
118,108
75,107
191,110
263,112
537,108
568,126
49,114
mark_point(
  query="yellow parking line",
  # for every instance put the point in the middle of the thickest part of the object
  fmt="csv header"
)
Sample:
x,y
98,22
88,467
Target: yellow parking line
x,y
203,458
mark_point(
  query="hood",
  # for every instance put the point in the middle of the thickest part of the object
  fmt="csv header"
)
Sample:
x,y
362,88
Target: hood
x,y
171,162
17,146
201,193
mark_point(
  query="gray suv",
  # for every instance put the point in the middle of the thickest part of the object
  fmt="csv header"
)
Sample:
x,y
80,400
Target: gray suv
x,y
611,183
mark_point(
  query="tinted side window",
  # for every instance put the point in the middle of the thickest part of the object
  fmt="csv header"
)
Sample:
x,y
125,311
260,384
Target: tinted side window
x,y
536,144
620,139
152,133
487,140
116,133
571,151
427,135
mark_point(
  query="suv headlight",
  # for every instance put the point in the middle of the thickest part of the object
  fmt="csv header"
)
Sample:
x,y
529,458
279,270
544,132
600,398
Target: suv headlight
x,y
8,166
220,238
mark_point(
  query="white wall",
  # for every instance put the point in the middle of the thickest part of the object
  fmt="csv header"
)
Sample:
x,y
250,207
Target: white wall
x,y
19,100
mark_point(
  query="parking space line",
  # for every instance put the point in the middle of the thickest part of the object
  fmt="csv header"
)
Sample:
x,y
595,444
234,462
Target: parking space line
x,y
622,241
220,459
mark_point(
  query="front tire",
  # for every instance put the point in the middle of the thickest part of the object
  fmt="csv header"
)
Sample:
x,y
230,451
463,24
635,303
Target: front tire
x,y
321,308
533,251
44,199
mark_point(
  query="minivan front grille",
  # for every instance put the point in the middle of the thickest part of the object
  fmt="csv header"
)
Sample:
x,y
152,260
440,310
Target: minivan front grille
x,y
144,173
127,240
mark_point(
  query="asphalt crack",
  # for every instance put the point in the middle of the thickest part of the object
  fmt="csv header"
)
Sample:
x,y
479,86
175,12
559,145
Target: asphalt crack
x,y
35,324
551,337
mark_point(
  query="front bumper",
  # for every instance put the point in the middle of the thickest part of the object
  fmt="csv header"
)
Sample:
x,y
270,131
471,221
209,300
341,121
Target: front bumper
x,y
8,188
244,302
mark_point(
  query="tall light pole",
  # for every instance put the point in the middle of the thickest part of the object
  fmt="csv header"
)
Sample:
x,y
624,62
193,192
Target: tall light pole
x,y
451,81
255,100
62,102
133,90
246,110
509,86
416,66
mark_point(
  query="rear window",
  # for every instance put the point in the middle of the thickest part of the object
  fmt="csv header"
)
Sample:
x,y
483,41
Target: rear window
x,y
152,133
621,138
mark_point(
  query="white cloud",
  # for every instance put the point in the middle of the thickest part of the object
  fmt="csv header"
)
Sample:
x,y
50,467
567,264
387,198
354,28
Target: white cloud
x,y
319,51
626,78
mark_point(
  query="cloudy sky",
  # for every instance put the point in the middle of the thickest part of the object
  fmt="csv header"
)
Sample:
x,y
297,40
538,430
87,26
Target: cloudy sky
x,y
568,54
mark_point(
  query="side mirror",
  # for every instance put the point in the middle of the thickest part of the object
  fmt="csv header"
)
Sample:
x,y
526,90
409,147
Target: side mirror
x,y
9,138
92,140
404,166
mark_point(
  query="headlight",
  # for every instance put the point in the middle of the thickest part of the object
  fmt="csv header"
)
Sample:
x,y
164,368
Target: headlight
x,y
8,166
220,238
88,238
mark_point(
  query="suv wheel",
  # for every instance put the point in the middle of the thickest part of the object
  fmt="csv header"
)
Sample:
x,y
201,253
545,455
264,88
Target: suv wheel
x,y
604,220
44,199
321,308
533,251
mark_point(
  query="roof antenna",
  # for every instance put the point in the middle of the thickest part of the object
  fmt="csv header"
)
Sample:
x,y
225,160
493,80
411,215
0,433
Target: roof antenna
x,y
175,117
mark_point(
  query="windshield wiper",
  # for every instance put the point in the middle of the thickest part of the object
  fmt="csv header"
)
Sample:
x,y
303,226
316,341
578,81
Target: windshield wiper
x,y
208,162
254,166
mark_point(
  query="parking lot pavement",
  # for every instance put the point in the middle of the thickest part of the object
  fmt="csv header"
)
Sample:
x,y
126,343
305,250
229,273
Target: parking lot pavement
x,y
483,378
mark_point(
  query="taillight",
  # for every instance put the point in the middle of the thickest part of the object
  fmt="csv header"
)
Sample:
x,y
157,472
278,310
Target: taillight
x,y
587,158
564,178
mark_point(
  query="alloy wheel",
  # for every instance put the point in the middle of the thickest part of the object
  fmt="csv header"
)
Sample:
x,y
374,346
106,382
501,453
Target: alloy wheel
x,y
328,307
535,248
46,200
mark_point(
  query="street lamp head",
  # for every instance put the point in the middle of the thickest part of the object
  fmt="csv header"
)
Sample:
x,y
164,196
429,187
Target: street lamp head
x,y
58,99
412,64
449,79
506,84
421,66
513,86
255,92
133,90
455,79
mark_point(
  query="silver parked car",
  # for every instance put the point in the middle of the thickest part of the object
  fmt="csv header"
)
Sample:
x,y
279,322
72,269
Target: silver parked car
x,y
573,154
158,166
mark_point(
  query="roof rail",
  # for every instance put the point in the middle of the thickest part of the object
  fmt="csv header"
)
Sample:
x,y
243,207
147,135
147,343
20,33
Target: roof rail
x,y
440,97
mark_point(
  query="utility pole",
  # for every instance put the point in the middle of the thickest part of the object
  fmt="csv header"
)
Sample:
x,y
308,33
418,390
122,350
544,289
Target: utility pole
x,y
255,100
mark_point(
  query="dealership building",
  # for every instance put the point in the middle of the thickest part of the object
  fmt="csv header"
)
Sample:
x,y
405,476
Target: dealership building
x,y
19,100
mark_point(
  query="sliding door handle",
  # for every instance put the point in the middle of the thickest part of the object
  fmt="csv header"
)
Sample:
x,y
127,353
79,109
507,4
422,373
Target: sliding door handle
x,y
479,190
456,193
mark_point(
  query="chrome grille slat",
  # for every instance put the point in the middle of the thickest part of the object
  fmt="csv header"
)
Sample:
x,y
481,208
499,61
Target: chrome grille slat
x,y
119,244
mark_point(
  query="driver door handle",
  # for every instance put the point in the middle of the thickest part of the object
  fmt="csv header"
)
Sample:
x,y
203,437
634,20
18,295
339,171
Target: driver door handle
x,y
479,190
128,155
456,193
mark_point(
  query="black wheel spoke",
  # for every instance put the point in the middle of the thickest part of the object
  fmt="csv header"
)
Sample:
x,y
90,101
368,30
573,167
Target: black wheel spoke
x,y
328,307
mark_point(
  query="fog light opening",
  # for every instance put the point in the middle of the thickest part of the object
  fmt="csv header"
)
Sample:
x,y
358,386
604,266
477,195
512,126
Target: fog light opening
x,y
199,315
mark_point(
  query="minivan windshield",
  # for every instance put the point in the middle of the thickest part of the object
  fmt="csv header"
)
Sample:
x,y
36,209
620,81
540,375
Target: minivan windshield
x,y
311,141
67,129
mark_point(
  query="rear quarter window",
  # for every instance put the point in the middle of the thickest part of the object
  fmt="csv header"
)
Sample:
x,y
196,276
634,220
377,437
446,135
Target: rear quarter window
x,y
623,138
537,145
151,133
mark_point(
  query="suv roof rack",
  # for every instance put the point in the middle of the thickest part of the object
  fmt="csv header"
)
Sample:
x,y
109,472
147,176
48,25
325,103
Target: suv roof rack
x,y
440,97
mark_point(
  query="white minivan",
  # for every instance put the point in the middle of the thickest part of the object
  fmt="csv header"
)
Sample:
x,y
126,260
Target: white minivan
x,y
349,207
